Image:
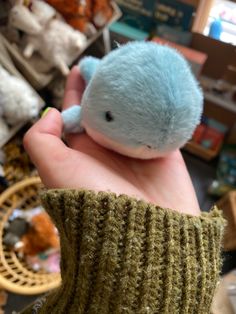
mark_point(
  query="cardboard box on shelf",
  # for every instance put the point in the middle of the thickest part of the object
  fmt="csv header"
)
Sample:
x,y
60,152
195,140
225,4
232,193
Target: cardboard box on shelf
x,y
228,205
217,108
221,302
202,152
219,54
207,139
224,301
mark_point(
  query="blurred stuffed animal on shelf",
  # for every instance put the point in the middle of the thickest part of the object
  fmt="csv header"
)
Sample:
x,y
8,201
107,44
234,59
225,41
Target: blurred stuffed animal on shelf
x,y
102,12
85,15
59,44
20,17
28,17
77,14
14,230
18,101
31,235
45,32
41,235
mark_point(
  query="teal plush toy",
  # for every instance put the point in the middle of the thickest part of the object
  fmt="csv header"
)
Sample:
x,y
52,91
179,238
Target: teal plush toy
x,y
141,100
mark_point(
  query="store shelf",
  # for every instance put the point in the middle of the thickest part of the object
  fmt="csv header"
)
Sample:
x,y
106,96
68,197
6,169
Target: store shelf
x,y
219,101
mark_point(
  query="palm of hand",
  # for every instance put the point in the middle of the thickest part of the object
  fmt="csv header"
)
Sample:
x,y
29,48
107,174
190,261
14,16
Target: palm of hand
x,y
85,164
164,181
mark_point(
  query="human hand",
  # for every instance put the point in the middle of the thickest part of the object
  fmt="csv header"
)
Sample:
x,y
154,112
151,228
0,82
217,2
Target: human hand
x,y
83,164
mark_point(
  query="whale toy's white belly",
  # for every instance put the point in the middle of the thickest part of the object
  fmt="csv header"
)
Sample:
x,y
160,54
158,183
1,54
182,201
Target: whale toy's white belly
x,y
140,152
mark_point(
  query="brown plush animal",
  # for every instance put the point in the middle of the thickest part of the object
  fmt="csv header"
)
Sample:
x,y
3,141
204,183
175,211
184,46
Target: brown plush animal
x,y
41,235
84,15
77,14
102,12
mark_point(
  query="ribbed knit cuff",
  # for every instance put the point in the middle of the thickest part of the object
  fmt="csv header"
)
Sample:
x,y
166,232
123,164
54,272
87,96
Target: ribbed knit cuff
x,y
121,255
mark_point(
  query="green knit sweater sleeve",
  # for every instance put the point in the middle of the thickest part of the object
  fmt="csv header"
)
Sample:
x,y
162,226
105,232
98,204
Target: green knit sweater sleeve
x,y
120,255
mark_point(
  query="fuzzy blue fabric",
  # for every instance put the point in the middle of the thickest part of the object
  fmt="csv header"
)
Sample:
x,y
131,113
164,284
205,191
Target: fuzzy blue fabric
x,y
71,119
88,66
141,94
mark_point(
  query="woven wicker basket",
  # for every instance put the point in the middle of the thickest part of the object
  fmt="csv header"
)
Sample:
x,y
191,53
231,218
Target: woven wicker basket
x,y
15,275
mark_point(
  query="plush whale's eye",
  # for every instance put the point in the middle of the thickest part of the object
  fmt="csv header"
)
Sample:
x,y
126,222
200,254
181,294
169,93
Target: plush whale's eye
x,y
109,117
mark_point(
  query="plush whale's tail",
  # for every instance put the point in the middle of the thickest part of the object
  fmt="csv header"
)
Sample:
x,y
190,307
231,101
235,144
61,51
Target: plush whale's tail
x,y
72,119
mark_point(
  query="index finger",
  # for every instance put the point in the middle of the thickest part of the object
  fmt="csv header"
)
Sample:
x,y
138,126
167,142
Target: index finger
x,y
75,86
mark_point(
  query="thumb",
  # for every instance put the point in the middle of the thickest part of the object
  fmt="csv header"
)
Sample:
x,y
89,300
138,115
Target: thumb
x,y
44,145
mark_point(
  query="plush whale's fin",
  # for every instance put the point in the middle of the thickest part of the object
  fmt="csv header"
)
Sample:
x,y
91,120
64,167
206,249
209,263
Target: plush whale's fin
x,y
72,119
88,66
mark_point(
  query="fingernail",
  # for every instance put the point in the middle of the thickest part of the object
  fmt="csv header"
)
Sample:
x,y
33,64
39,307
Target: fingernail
x,y
45,112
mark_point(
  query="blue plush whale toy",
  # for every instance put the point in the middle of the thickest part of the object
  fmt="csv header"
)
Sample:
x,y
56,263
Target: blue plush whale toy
x,y
141,100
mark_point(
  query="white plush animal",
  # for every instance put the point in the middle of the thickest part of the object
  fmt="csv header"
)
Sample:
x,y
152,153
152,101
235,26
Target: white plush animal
x,y
42,11
18,102
31,19
58,43
46,32
21,18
